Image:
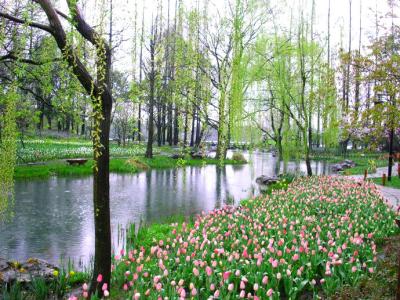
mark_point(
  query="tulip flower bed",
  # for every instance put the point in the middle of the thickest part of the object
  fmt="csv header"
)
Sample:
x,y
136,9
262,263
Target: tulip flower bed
x,y
315,236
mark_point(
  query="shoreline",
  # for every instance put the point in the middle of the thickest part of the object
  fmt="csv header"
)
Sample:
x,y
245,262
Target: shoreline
x,y
132,165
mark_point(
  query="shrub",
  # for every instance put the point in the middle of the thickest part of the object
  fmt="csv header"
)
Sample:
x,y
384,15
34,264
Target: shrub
x,y
237,156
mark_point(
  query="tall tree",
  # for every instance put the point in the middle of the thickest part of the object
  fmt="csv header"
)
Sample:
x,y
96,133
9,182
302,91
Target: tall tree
x,y
151,78
99,90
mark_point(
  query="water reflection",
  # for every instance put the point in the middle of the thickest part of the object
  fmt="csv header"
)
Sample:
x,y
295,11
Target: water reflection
x,y
53,217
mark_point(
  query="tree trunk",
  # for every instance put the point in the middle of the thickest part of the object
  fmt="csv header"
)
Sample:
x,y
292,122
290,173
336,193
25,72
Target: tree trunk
x,y
152,78
139,125
185,130
391,137
198,131
101,202
164,126
159,122
307,154
192,133
49,121
221,128
170,122
176,125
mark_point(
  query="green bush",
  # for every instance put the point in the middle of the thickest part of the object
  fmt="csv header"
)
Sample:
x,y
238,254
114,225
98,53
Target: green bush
x,y
237,156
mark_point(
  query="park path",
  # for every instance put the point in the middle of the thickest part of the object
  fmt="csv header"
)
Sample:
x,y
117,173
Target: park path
x,y
392,195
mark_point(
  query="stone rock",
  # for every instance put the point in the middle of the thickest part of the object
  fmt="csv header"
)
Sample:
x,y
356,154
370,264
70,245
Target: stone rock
x,y
341,166
24,272
266,180
3,264
198,155
177,156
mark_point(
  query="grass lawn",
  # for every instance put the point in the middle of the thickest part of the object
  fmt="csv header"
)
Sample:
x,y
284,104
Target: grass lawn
x,y
361,162
117,165
394,183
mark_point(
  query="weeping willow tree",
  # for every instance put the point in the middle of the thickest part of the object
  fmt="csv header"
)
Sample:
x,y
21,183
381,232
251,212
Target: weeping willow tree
x,y
8,149
299,87
233,68
95,80
326,97
238,73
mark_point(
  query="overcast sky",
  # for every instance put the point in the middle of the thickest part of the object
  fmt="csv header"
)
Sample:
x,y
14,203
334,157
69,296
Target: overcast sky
x,y
124,16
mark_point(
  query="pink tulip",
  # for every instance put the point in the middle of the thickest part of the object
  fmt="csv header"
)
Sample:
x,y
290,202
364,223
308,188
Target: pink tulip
x,y
265,280
226,275
274,263
270,292
158,286
209,271
242,285
183,293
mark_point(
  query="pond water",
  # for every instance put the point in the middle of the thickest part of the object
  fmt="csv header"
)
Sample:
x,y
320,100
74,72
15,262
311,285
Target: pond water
x,y
53,217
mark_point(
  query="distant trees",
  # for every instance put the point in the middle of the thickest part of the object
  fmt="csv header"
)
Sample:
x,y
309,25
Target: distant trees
x,y
298,88
370,117
123,115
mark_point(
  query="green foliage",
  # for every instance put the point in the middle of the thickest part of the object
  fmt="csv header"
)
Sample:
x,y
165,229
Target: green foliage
x,y
13,292
39,288
181,162
8,151
393,183
371,166
117,165
237,156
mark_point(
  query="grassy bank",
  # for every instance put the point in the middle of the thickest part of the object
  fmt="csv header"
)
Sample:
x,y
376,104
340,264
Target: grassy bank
x,y
363,162
394,183
117,165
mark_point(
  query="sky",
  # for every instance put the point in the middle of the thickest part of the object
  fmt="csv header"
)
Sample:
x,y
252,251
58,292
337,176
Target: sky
x,y
124,12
